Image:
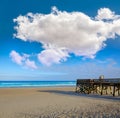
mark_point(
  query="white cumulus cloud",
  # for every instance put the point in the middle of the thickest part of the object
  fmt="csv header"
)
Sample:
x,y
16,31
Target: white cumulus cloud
x,y
22,60
105,13
75,32
50,56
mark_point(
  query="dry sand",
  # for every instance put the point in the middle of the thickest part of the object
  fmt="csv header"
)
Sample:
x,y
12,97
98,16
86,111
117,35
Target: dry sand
x,y
60,102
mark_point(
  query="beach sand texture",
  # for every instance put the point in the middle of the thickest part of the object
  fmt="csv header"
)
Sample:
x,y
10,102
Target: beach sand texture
x,y
56,102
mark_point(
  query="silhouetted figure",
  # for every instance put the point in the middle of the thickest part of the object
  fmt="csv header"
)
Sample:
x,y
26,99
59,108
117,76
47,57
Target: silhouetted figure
x,y
101,78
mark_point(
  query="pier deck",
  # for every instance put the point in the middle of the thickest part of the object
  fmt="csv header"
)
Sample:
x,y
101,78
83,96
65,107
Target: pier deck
x,y
105,86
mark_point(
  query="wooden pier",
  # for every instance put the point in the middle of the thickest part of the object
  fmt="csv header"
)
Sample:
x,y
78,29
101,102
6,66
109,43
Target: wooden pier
x,y
98,86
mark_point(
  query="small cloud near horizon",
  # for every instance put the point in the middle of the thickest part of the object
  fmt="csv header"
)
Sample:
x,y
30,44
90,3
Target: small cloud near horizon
x,y
22,60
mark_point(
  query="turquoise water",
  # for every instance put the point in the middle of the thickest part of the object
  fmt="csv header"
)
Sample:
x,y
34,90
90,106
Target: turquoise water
x,y
20,84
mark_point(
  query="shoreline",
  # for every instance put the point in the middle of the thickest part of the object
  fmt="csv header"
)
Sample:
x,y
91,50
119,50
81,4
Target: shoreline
x,y
35,84
56,102
30,87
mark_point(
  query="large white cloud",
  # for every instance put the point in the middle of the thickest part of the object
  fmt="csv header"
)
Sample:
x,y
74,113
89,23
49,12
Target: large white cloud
x,y
74,32
22,60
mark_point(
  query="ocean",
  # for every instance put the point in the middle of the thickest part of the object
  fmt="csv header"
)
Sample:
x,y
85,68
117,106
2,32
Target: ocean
x,y
22,84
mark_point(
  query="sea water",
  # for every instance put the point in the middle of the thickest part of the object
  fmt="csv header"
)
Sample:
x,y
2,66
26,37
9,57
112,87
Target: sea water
x,y
20,84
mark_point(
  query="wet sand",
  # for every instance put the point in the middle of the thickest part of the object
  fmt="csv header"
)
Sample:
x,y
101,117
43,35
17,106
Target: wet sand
x,y
56,102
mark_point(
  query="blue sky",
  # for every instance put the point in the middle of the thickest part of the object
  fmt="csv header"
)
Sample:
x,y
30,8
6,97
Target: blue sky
x,y
59,39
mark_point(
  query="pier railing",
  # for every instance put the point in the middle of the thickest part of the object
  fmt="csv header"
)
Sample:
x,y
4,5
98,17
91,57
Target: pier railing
x,y
98,86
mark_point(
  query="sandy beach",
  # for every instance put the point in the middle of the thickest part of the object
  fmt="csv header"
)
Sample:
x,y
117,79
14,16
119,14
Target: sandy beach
x,y
56,102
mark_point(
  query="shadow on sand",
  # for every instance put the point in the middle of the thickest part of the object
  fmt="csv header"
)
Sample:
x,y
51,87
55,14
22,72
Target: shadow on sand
x,y
73,93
